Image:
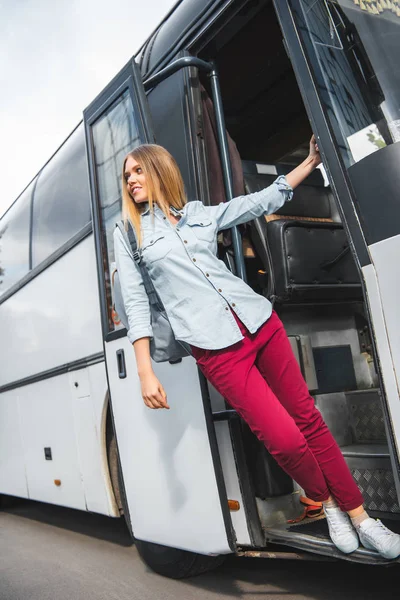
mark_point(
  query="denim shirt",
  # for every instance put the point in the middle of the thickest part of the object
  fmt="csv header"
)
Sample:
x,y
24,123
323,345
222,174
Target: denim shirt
x,y
197,289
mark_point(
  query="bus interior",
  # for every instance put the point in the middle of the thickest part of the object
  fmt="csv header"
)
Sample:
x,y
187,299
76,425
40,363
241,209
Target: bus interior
x,y
300,258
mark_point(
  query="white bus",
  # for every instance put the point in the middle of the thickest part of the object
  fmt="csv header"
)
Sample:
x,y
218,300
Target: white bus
x,y
193,483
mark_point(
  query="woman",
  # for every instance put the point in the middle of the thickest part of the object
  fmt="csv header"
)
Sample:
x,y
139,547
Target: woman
x,y
236,338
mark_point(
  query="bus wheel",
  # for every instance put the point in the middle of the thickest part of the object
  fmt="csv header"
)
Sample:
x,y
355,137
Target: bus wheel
x,y
174,563
113,464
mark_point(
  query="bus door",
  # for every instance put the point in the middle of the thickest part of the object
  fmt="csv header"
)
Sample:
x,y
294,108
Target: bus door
x,y
345,60
172,477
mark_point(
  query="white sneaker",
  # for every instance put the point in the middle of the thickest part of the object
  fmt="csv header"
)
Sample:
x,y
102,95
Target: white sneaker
x,y
342,533
375,536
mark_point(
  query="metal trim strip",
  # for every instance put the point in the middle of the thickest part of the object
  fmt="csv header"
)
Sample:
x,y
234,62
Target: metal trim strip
x,y
76,365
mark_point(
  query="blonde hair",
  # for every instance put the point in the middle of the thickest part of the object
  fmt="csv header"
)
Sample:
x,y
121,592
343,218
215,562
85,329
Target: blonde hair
x,y
163,181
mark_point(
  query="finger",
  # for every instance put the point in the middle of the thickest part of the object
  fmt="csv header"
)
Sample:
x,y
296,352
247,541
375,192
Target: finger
x,y
164,397
164,403
151,403
157,401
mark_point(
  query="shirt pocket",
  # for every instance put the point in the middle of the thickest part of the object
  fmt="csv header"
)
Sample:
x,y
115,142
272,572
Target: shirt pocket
x,y
203,228
155,248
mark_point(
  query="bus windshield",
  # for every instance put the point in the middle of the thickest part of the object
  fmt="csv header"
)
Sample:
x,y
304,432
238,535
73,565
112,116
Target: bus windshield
x,y
353,50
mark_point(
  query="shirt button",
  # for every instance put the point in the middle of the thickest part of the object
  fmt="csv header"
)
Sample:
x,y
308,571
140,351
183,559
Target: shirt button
x,y
165,218
233,304
207,275
219,289
226,308
185,241
194,260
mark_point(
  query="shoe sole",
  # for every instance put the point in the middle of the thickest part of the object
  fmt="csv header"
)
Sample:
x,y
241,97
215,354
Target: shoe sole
x,y
392,556
347,551
353,549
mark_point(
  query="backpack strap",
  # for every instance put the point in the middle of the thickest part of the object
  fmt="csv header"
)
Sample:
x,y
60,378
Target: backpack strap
x,y
130,237
137,256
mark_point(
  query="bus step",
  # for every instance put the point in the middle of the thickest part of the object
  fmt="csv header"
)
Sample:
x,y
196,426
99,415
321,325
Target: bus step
x,y
313,537
366,416
371,468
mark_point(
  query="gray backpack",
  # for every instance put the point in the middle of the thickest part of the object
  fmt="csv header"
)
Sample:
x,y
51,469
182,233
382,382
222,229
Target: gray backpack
x,y
163,345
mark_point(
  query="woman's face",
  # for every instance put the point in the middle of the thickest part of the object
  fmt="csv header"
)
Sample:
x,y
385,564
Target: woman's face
x,y
135,180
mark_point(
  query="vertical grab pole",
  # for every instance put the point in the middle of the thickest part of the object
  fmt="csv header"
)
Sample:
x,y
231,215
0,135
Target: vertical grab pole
x,y
226,166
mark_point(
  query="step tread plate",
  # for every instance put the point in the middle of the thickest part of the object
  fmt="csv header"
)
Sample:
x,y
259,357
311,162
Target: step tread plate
x,y
366,451
366,415
313,536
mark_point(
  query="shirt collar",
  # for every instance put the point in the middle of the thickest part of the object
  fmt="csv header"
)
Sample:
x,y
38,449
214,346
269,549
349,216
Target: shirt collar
x,y
174,211
146,209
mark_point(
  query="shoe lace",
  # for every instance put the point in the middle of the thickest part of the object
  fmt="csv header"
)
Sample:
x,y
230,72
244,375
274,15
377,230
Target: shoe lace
x,y
379,527
338,521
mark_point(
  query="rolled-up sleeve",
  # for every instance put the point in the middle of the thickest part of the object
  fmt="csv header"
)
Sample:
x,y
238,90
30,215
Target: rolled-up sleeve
x,y
134,294
246,208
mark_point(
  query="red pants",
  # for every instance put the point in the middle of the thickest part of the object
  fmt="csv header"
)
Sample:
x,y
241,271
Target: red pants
x,y
261,379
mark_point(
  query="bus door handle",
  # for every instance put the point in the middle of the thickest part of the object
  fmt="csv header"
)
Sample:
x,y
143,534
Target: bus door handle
x,y
121,364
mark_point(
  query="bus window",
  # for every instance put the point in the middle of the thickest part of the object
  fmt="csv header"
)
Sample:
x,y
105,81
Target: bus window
x,y
354,56
114,134
61,204
14,241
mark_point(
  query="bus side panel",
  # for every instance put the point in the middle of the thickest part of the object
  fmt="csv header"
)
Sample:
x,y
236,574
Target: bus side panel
x,y
89,406
47,423
12,468
54,319
65,421
384,351
385,257
61,428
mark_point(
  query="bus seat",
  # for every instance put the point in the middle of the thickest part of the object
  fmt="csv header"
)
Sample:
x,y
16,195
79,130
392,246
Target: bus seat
x,y
305,252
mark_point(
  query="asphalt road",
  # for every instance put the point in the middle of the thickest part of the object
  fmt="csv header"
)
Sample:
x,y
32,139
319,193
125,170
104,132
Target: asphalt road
x,y
53,553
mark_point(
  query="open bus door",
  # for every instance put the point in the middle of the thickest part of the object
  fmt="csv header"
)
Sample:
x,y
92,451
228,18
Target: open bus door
x,y
172,477
340,58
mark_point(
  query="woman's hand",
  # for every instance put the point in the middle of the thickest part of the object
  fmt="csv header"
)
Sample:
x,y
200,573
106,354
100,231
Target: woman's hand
x,y
303,170
314,152
153,393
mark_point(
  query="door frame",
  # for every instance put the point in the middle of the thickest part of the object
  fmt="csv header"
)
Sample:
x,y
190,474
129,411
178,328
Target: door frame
x,y
342,190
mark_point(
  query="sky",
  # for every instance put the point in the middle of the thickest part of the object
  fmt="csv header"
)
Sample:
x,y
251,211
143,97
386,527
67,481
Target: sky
x,y
55,57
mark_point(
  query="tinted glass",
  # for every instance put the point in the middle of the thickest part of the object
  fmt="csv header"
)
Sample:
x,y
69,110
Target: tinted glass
x,y
353,48
61,204
115,133
14,242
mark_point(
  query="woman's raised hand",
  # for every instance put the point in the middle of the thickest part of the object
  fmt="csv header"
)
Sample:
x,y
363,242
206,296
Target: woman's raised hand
x,y
314,151
153,393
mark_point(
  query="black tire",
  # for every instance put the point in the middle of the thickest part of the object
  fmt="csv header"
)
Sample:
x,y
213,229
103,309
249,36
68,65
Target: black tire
x,y
113,464
7,501
174,563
